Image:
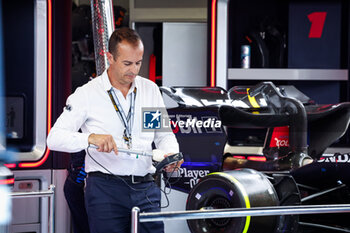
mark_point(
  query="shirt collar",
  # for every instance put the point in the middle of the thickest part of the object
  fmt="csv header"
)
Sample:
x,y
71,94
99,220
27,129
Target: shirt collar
x,y
107,84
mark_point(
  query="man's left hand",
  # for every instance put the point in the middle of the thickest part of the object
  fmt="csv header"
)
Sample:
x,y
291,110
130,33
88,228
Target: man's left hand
x,y
174,166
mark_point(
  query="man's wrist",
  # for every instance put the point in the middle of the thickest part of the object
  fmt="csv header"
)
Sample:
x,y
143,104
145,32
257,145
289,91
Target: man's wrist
x,y
90,140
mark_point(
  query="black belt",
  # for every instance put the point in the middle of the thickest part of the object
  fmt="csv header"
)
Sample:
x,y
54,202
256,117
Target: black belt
x,y
132,179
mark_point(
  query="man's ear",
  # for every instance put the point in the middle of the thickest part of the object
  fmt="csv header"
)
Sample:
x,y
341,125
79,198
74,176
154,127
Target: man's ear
x,y
110,57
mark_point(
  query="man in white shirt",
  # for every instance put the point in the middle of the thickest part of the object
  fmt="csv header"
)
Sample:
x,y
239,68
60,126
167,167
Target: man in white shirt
x,y
108,112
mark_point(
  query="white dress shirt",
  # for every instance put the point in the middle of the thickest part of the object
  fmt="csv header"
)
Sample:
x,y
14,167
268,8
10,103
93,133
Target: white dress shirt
x,y
90,109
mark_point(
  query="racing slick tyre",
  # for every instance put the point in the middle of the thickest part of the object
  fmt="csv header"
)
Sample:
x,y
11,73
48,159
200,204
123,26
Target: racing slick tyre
x,y
244,188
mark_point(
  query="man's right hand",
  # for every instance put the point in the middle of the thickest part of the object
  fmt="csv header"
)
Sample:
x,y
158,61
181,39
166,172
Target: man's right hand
x,y
104,142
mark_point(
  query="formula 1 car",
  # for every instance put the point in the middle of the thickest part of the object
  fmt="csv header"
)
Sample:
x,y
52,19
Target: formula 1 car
x,y
276,154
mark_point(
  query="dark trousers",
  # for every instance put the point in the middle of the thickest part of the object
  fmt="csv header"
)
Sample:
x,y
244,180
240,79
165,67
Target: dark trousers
x,y
74,194
109,201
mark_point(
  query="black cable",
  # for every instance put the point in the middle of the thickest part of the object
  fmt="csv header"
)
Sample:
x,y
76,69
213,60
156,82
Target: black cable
x,y
178,177
113,175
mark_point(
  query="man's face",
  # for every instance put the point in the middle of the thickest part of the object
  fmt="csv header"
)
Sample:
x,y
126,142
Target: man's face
x,y
126,64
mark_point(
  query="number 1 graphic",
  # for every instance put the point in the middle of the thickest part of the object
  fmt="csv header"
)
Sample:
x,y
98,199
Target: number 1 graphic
x,y
317,20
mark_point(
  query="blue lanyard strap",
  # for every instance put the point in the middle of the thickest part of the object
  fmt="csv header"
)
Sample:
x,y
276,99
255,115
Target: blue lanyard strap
x,y
127,120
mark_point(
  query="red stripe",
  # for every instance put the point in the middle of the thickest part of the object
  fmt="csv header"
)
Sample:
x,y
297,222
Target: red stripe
x,y
257,158
152,68
49,86
7,181
10,165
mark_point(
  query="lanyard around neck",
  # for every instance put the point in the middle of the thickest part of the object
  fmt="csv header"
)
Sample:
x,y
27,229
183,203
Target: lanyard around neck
x,y
127,120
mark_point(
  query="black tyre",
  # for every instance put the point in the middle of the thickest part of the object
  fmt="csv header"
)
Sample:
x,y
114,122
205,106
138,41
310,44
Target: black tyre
x,y
243,188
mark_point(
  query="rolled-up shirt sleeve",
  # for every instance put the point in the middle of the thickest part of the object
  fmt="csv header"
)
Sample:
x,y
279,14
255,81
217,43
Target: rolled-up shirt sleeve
x,y
165,141
64,135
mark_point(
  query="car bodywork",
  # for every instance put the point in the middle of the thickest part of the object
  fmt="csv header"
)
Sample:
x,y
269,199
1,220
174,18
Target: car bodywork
x,y
272,135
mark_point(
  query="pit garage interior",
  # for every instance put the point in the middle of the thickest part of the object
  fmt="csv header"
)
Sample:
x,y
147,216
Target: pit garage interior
x,y
258,93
